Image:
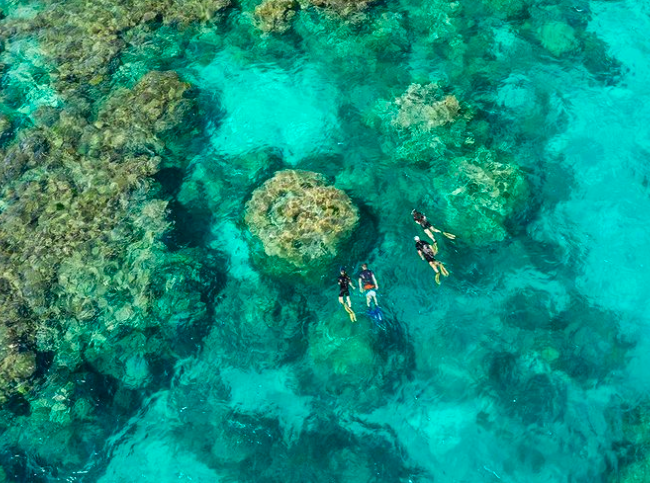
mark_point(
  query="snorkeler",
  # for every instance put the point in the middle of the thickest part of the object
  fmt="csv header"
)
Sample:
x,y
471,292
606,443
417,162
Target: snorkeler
x,y
367,281
345,282
426,253
429,229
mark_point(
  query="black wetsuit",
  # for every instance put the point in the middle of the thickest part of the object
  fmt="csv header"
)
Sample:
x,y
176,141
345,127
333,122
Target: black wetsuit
x,y
427,251
344,285
421,220
366,277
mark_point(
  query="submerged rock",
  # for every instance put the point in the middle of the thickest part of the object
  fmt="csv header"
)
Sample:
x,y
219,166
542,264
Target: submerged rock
x,y
342,353
479,194
425,108
275,15
508,8
558,38
421,124
300,220
343,357
258,326
634,464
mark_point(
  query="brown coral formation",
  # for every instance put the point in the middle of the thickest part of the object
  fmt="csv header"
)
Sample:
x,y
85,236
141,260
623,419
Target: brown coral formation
x,y
275,15
82,40
425,108
137,119
343,7
83,271
299,218
421,124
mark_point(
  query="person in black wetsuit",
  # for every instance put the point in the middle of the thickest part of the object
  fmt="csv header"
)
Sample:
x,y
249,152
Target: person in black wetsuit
x,y
429,229
426,252
345,282
367,281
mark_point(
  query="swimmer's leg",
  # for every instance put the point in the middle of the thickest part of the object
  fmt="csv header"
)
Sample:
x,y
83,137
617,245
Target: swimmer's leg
x,y
443,270
353,316
433,238
348,309
433,264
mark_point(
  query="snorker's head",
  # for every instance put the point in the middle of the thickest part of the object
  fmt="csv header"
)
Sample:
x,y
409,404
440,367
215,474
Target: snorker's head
x,y
416,238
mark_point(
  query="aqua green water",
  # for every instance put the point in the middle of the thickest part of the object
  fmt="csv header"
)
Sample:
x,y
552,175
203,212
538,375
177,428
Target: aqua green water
x,y
147,336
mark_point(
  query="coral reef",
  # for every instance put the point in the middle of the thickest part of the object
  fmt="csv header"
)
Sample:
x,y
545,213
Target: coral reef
x,y
343,352
635,458
479,194
123,273
86,275
17,363
508,8
421,124
558,38
425,108
345,356
327,452
372,53
141,118
343,7
82,42
299,219
261,327
275,15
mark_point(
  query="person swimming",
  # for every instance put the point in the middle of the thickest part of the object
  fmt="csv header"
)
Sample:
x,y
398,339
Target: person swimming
x,y
425,250
367,281
345,282
429,229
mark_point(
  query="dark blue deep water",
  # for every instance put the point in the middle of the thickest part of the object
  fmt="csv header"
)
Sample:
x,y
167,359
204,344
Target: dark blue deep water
x,y
181,181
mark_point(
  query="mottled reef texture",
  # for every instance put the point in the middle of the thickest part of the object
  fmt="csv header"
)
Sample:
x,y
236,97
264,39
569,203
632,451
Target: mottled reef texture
x,y
104,290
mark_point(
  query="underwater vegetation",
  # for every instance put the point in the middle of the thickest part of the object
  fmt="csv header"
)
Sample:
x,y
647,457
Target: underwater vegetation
x,y
146,269
89,284
300,219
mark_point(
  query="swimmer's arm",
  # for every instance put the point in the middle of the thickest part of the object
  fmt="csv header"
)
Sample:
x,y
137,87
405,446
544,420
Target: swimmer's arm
x,y
420,253
360,285
375,280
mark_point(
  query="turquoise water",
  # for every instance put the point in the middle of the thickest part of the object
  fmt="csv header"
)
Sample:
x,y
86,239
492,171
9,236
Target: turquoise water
x,y
163,321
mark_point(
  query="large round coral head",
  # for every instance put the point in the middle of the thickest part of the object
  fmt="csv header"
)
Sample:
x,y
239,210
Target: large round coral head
x,y
299,218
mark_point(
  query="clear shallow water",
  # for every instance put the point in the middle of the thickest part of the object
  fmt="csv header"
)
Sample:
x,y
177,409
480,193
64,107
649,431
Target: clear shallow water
x,y
522,366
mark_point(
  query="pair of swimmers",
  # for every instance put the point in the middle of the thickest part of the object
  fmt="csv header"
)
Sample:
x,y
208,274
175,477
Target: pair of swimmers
x,y
426,250
367,282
